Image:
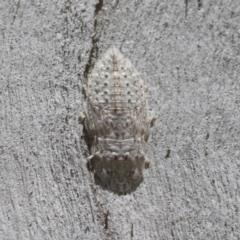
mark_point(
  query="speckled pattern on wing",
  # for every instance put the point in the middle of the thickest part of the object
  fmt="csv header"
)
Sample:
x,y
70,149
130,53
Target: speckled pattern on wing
x,y
117,121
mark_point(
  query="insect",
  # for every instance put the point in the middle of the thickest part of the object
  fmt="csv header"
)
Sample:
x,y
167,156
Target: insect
x,y
116,122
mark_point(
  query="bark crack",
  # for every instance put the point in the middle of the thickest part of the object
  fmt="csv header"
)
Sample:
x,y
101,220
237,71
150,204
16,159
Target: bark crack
x,y
94,39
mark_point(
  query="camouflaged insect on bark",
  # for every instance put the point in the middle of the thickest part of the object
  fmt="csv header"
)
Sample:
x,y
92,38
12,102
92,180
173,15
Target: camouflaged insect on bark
x,y
116,121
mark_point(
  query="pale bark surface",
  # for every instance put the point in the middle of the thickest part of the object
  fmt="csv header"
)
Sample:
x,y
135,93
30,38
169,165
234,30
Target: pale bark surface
x,y
191,64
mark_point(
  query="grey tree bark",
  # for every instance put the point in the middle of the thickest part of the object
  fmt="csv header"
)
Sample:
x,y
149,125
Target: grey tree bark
x,y
187,52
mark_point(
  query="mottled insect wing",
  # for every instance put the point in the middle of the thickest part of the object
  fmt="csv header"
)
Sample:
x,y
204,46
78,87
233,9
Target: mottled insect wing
x,y
117,121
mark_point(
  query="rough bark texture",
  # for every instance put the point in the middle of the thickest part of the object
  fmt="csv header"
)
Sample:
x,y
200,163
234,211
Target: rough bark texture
x,y
187,52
